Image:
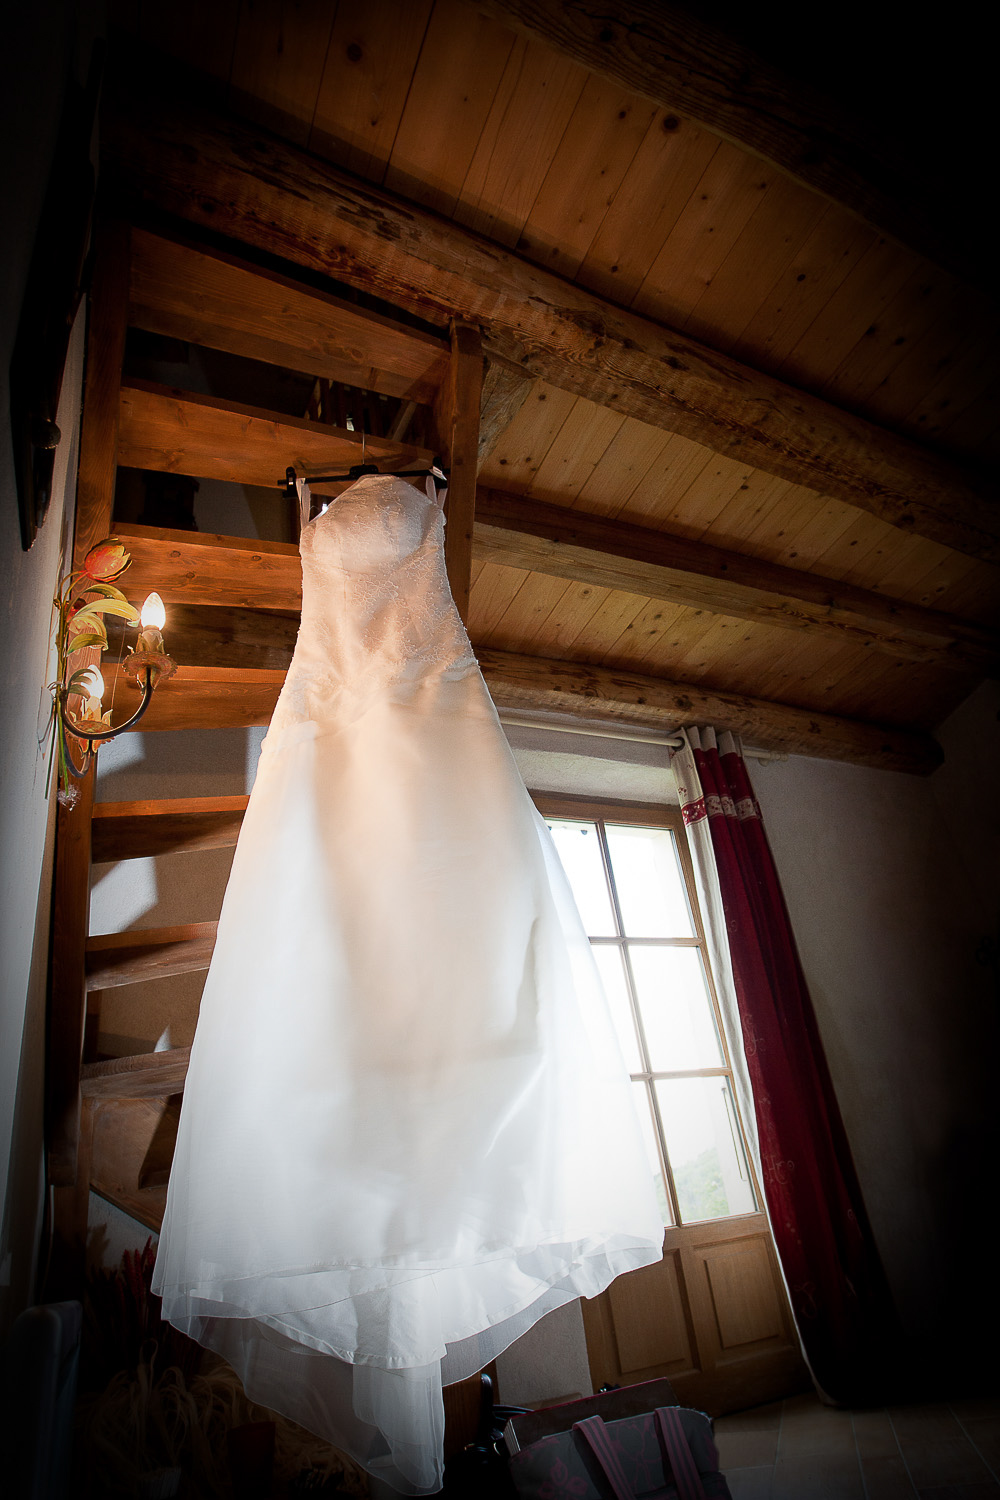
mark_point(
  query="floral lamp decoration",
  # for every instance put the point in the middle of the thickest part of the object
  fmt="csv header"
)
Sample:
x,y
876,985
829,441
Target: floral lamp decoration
x,y
85,598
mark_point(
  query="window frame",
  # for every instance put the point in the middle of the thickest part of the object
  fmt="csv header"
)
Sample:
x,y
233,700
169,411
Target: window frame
x,y
604,810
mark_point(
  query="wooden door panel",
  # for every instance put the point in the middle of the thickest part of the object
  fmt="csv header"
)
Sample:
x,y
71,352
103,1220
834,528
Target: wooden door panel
x,y
650,1317
712,1317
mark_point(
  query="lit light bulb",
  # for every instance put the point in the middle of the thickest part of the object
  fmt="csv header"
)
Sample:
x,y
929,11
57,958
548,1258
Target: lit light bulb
x,y
152,618
153,613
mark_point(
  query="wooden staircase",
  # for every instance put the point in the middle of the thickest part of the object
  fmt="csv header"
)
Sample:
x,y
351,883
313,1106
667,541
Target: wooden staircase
x,y
111,1121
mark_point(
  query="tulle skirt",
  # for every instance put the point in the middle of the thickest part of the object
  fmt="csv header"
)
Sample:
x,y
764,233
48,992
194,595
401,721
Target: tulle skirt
x,y
407,1131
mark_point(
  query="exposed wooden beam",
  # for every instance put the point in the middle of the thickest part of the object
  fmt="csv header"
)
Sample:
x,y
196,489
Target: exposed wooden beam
x,y
680,61
593,692
172,154
456,417
184,433
144,1076
186,292
136,830
223,637
614,554
201,699
505,390
119,958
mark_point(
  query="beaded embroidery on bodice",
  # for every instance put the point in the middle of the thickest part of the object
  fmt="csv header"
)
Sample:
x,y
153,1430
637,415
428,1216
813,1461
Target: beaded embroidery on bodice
x,y
377,613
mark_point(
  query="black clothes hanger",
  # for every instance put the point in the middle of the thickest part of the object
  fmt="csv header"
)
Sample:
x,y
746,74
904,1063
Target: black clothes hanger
x,y
358,471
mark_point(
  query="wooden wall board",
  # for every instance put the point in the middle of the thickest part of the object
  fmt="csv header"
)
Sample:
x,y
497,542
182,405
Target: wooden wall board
x,y
278,61
366,78
207,297
533,105
182,432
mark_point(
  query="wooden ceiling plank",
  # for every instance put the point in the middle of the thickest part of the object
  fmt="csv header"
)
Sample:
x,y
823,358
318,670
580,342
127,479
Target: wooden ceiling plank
x,y
267,193
366,78
528,117
278,64
578,606
140,830
722,203
528,612
661,177
119,958
765,247
660,489
599,144
522,446
577,449
456,77
678,60
181,432
491,596
184,291
837,245
631,456
591,692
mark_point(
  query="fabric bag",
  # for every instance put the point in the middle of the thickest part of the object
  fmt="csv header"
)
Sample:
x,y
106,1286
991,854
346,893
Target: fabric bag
x,y
667,1454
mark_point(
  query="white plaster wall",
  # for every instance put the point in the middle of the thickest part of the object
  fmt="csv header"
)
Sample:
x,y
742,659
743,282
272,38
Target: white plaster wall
x,y
38,45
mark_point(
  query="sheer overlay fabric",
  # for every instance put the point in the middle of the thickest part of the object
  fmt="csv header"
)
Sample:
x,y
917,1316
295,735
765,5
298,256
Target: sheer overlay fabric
x,y
406,1131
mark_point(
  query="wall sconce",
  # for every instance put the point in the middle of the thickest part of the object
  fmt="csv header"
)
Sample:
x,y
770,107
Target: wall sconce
x,y
81,604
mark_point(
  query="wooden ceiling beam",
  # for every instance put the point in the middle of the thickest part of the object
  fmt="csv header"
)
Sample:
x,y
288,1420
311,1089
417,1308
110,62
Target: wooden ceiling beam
x,y
169,153
182,432
617,555
189,292
118,958
215,698
682,63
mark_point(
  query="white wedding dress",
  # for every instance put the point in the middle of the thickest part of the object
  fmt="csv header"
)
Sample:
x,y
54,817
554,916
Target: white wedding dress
x,y
407,1131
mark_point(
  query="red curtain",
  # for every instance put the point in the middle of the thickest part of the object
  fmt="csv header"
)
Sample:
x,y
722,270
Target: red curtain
x,y
838,1289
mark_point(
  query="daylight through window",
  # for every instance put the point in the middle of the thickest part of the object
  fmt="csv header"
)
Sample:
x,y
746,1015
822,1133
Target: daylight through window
x,y
637,903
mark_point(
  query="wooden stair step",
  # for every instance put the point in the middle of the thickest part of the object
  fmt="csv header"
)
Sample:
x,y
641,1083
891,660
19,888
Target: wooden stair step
x,y
188,292
183,432
146,1075
118,958
205,697
193,567
136,830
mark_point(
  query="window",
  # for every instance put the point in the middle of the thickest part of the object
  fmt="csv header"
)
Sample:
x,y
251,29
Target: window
x,y
632,880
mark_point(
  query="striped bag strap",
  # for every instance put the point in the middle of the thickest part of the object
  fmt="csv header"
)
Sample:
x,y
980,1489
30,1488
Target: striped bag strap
x,y
675,1441
598,1440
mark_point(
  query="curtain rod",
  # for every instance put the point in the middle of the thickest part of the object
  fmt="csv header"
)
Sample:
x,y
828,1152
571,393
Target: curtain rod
x,y
625,733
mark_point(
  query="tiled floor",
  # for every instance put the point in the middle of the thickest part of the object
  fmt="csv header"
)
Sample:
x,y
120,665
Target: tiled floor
x,y
801,1450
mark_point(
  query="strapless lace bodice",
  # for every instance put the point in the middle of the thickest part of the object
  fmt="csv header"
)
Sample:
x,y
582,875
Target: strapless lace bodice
x,y
377,613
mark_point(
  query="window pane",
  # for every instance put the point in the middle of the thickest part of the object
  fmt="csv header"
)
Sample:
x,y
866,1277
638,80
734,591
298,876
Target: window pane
x,y
640,1094
580,851
709,1167
612,971
676,1009
648,879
